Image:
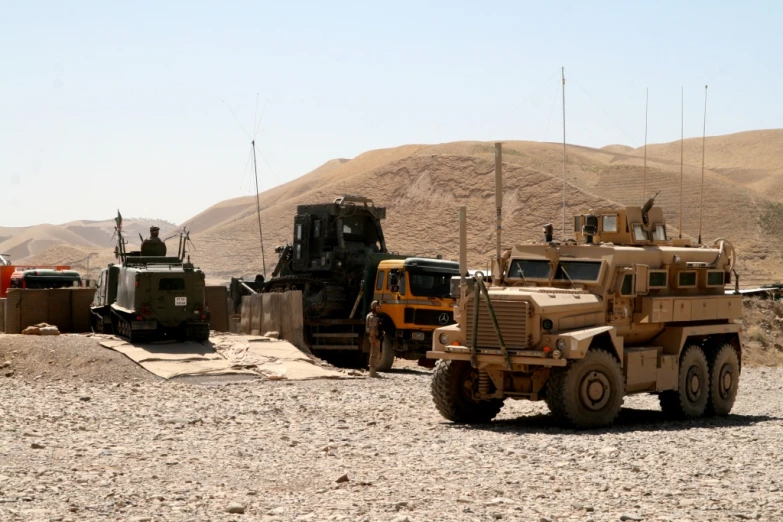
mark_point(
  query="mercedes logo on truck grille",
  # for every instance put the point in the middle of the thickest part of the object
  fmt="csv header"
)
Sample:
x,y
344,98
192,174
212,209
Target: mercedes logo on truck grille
x,y
443,318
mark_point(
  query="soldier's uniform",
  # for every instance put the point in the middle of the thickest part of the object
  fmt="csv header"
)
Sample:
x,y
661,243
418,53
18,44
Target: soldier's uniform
x,y
153,245
372,325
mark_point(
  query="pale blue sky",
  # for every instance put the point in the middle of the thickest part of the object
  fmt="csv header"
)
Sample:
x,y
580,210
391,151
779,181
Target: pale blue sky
x,y
121,104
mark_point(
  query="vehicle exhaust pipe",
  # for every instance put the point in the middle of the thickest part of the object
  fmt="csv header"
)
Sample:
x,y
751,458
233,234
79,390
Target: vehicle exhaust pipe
x,y
499,198
463,242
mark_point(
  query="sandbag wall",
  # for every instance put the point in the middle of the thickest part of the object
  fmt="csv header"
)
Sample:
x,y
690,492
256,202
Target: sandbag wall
x,y
66,308
275,312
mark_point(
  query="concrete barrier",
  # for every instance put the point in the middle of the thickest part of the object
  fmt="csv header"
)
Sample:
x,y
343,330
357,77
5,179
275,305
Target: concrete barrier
x,y
66,308
274,312
217,302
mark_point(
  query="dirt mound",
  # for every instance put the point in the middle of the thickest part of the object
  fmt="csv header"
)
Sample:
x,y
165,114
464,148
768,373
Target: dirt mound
x,y
65,358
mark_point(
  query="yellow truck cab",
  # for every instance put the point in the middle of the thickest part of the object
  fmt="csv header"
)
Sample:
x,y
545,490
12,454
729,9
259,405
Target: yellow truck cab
x,y
415,297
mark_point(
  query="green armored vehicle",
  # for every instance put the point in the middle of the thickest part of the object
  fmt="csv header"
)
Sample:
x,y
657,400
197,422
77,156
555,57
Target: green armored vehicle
x,y
150,296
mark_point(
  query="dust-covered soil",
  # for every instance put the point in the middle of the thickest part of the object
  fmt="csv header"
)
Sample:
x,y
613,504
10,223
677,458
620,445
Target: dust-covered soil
x,y
107,448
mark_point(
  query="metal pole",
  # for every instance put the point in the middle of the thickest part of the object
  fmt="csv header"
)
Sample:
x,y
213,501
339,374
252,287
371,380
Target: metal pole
x,y
562,76
258,208
703,145
644,175
498,199
463,242
682,147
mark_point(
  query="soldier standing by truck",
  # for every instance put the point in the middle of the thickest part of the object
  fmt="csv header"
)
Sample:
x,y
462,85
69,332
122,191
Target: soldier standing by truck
x,y
372,328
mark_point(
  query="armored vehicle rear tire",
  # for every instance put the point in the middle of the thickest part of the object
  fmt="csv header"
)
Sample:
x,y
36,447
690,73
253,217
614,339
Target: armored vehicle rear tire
x,y
386,360
691,398
724,380
588,393
452,392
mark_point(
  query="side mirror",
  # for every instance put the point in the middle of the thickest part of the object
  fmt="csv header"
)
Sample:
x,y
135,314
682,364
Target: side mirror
x,y
641,279
395,288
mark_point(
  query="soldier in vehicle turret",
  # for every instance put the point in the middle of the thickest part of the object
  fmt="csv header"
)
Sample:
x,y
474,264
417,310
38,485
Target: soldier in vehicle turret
x,y
153,246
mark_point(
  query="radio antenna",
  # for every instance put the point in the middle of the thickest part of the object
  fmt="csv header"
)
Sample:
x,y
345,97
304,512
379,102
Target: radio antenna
x,y
562,76
644,172
258,208
703,145
682,146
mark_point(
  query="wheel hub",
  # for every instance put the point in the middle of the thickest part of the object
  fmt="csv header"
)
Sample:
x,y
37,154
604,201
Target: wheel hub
x,y
693,384
726,380
594,391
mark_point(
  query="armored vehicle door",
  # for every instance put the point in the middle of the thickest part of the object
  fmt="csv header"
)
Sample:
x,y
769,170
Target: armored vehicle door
x,y
301,256
621,302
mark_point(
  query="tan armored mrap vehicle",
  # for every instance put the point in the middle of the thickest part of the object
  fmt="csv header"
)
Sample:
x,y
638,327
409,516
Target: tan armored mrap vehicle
x,y
580,324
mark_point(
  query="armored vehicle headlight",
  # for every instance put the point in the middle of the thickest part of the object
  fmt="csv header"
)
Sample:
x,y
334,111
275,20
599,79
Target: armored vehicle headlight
x,y
561,344
547,324
444,338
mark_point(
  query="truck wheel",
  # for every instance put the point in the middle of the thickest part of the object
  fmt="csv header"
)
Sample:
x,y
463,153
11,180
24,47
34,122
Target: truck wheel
x,y
452,386
724,380
693,393
386,360
588,393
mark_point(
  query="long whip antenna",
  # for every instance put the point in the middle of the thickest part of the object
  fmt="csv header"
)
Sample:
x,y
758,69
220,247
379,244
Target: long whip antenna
x,y
562,76
258,208
703,145
682,146
644,175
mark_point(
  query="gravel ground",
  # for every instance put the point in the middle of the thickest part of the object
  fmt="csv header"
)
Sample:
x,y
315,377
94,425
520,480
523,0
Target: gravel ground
x,y
369,450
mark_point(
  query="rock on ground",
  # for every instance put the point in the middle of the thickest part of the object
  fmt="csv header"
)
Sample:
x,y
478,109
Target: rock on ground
x,y
155,450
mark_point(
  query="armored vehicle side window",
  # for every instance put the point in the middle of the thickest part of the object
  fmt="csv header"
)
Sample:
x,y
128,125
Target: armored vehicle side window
x,y
639,233
317,228
610,223
578,270
627,288
529,269
715,278
659,232
379,282
171,283
658,279
686,279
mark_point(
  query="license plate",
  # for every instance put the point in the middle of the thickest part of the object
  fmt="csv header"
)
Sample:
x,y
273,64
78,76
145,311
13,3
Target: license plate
x,y
180,301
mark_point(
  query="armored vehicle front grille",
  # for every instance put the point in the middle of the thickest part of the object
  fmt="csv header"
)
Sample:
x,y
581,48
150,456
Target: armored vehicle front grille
x,y
512,318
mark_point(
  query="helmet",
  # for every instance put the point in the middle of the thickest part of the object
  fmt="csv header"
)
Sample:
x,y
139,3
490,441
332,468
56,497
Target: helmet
x,y
154,229
374,305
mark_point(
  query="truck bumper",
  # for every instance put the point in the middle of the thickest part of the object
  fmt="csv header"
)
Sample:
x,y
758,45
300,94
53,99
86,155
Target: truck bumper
x,y
491,359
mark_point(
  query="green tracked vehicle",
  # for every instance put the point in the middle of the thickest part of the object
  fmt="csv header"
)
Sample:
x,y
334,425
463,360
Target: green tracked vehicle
x,y
150,296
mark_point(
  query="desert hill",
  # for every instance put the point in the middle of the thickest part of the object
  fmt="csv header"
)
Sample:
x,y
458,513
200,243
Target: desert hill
x,y
422,185
24,244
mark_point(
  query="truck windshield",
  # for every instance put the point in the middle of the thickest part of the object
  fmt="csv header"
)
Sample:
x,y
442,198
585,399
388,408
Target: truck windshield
x,y
430,284
529,269
578,271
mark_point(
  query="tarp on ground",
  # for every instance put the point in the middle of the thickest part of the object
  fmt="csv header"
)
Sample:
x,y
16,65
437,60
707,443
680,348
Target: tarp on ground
x,y
223,354
271,358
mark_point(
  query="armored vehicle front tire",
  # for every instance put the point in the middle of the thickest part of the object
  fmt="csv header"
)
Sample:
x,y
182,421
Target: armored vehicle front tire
x,y
691,399
452,392
588,393
724,380
386,360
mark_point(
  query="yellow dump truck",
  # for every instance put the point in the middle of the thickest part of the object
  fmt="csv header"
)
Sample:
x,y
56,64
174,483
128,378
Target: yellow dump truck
x,y
415,297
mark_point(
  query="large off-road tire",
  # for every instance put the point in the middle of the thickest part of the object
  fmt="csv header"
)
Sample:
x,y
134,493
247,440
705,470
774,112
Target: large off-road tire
x,y
452,385
588,393
386,359
693,393
724,380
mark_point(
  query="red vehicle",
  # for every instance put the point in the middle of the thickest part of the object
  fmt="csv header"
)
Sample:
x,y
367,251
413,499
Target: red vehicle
x,y
51,277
